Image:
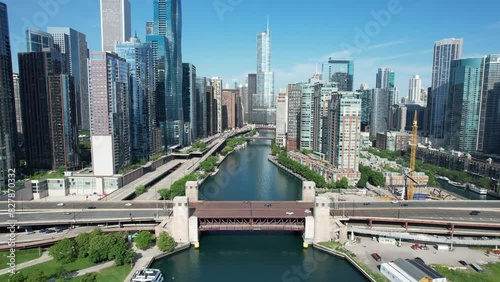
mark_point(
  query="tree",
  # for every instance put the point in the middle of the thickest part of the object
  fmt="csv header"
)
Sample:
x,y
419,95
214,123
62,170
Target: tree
x,y
163,193
139,190
64,251
484,182
344,183
37,276
60,272
206,166
377,179
89,277
165,242
82,243
143,240
17,277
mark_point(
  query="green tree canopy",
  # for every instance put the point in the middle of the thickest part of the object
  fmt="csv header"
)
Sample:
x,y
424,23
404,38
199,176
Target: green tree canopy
x,y
89,277
82,243
17,277
37,276
165,242
143,240
139,190
64,251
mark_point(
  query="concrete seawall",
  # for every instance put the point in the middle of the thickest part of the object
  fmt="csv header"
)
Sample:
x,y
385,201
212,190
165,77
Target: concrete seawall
x,y
275,162
348,258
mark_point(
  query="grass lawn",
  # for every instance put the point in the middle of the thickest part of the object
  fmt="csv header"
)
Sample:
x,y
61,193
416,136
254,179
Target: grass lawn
x,y
110,274
490,274
21,256
50,267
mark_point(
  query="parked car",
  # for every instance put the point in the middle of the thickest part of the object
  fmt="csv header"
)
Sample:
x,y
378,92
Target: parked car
x,y
415,246
60,204
366,204
289,213
50,231
307,211
91,208
474,212
376,257
267,205
395,202
463,262
66,213
128,204
42,230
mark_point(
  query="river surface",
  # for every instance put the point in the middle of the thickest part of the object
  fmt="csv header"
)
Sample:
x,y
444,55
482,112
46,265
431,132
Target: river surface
x,y
253,256
464,192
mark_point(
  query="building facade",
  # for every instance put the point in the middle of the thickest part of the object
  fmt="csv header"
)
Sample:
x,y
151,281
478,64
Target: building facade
x,y
464,104
263,102
190,103
340,71
36,40
414,90
216,83
142,100
76,53
445,52
202,115
294,95
8,132
110,116
281,118
115,23
385,78
490,107
229,108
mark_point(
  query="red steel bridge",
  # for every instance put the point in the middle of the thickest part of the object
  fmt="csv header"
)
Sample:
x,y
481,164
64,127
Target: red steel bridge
x,y
251,215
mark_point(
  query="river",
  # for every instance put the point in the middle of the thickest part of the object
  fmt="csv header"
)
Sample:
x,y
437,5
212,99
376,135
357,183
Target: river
x,y
253,256
464,192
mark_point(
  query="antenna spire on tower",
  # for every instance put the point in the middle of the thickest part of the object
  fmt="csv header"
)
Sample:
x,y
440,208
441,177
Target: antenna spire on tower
x,y
267,28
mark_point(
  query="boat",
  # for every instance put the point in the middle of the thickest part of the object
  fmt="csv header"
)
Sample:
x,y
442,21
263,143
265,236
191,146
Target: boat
x,y
214,172
443,178
147,275
479,190
457,184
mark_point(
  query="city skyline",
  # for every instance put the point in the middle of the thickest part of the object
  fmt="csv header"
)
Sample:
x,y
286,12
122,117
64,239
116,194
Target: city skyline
x,y
407,51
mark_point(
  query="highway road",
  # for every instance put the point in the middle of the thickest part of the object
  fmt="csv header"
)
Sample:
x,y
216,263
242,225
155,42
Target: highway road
x,y
27,206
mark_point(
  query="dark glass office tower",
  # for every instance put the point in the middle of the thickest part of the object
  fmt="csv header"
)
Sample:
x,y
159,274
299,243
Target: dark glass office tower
x,y
7,109
340,71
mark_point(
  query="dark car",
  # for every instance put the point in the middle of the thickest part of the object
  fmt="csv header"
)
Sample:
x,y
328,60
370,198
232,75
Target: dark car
x,y
50,231
404,205
376,257
91,208
267,205
366,204
463,262
474,212
66,213
42,231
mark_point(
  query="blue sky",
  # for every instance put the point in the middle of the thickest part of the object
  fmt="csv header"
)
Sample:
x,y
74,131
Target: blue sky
x,y
219,36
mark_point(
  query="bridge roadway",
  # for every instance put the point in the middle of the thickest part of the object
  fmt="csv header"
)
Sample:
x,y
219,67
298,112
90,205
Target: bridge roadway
x,y
250,209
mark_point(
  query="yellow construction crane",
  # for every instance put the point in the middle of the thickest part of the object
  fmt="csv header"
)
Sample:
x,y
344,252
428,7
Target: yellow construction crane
x,y
414,135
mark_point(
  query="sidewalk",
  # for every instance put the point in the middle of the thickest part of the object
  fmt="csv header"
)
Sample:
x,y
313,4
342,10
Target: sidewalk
x,y
45,257
146,256
95,268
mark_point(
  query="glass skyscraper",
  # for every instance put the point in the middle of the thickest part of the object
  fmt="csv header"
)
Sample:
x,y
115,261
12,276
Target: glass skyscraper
x,y
445,51
464,104
385,78
115,23
167,22
140,57
340,71
264,102
7,113
490,107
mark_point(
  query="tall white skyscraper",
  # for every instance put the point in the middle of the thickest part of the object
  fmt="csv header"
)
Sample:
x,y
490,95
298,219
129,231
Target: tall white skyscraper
x,y
414,90
216,83
445,52
115,23
264,103
281,118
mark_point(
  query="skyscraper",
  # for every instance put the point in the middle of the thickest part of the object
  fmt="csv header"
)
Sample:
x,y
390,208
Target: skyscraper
x,y
202,114
380,111
216,83
228,108
340,71
19,111
445,51
149,27
109,113
264,101
76,54
385,78
281,118
464,104
294,93
140,58
252,89
489,135
366,106
8,133
167,21
307,122
48,101
115,23
36,40
190,103
414,90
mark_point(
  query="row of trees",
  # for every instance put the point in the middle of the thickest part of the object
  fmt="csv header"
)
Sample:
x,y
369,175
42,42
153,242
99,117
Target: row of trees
x,y
232,143
208,165
375,178
178,188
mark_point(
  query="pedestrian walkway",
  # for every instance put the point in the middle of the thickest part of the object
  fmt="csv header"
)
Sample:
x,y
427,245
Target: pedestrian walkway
x,y
145,258
95,268
45,257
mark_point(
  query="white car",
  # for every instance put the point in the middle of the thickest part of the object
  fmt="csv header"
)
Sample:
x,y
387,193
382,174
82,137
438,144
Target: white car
x,y
395,202
289,213
60,204
128,204
307,211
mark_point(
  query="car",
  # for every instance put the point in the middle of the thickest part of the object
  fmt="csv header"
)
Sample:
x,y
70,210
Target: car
x,y
404,205
60,204
50,231
474,212
29,232
91,208
66,213
424,247
366,204
395,202
289,213
42,230
307,211
128,204
415,246
376,257
463,262
267,205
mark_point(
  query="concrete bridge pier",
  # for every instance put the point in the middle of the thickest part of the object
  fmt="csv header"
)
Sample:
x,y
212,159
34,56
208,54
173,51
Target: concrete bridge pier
x,y
180,222
308,191
323,227
192,190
